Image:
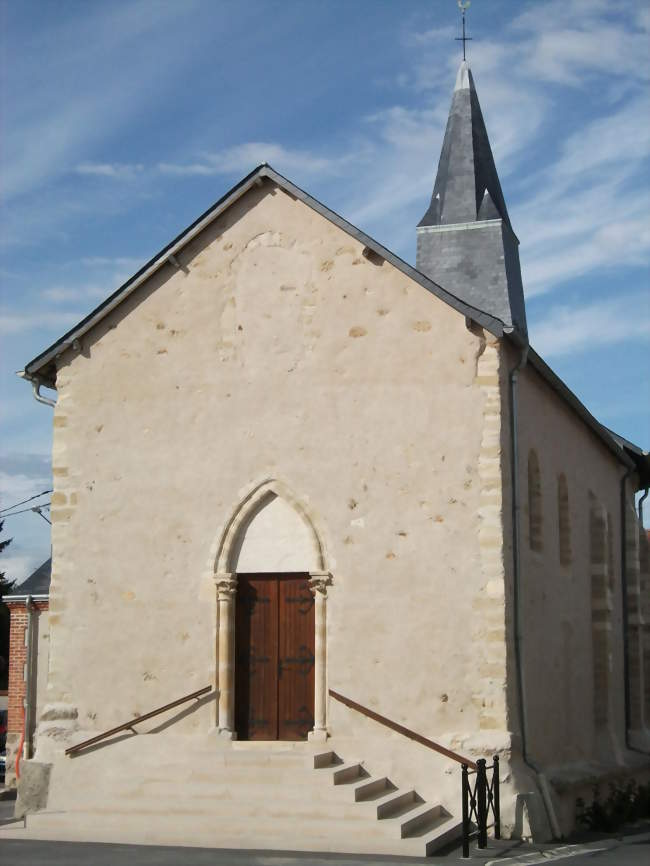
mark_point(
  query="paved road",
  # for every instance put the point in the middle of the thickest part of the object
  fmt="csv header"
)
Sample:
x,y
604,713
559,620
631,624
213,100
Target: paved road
x,y
31,853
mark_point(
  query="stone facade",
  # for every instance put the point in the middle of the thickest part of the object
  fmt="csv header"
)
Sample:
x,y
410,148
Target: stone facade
x,y
282,401
270,357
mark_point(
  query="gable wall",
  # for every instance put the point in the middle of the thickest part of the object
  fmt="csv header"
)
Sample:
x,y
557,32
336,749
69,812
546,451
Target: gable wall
x,y
279,351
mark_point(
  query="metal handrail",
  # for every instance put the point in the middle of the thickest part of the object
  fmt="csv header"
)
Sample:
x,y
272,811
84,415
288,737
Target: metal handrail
x,y
406,732
128,726
478,800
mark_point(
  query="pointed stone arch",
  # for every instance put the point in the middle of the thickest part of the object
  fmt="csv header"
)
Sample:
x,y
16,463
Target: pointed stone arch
x,y
249,508
271,503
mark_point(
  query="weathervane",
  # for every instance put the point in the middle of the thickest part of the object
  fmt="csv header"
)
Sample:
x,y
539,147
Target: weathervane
x,y
463,5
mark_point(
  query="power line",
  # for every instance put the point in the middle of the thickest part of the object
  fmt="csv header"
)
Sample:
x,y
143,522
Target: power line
x,y
35,496
35,508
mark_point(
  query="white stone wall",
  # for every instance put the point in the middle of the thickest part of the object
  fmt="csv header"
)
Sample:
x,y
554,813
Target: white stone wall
x,y
280,352
572,603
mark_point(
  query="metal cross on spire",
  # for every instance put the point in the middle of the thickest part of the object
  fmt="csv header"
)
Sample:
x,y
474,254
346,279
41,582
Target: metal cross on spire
x,y
463,5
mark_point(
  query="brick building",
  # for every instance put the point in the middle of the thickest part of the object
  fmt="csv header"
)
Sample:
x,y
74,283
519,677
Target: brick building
x,y
28,655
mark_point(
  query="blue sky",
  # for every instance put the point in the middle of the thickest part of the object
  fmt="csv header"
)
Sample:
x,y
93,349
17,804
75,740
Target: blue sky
x,y
122,121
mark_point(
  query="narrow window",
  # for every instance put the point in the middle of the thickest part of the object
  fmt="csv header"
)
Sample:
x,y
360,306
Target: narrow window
x,y
635,635
534,503
610,552
644,592
601,611
564,519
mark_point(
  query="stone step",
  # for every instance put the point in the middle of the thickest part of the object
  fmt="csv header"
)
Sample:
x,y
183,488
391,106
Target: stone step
x,y
168,795
238,804
396,803
291,796
421,819
231,775
372,789
348,772
449,830
239,833
326,759
250,822
255,789
212,758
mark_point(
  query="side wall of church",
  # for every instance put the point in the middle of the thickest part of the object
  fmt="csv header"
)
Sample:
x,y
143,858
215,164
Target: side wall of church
x,y
278,350
571,588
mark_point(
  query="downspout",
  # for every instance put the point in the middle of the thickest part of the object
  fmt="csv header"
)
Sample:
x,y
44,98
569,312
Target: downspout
x,y
516,554
37,384
626,641
30,608
36,389
641,501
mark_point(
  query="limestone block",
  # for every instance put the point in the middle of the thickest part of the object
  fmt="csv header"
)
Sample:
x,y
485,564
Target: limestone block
x,y
33,787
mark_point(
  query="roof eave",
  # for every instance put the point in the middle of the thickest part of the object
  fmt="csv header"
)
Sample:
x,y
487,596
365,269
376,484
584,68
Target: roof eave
x,y
10,599
40,362
639,457
563,390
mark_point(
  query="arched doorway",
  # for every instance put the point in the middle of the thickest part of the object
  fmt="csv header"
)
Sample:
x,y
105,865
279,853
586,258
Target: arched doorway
x,y
274,657
272,589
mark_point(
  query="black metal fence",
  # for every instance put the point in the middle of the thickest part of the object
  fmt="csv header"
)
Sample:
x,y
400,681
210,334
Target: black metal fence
x,y
480,798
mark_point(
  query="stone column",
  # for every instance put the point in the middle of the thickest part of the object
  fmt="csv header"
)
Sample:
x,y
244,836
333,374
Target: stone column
x,y
226,589
318,583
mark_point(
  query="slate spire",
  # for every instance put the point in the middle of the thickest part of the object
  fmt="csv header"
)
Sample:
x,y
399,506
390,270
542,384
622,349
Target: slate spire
x,y
465,241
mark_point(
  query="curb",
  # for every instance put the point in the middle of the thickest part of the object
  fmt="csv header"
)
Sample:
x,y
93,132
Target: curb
x,y
564,852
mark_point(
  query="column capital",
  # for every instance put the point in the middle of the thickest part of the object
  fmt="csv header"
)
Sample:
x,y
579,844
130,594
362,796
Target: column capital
x,y
319,581
226,584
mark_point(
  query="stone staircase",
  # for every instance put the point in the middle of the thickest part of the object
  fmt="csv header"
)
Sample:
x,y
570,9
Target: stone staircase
x,y
280,796
421,828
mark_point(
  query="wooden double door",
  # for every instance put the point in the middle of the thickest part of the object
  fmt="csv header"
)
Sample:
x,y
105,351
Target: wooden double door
x,y
274,657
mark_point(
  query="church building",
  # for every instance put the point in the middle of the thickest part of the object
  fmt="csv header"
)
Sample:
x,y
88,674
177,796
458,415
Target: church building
x,y
310,485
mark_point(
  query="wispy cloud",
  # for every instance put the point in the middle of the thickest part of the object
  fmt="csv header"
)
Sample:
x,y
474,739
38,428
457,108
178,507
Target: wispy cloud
x,y
19,567
568,41
63,295
16,487
565,330
114,170
47,320
589,208
22,476
56,118
243,157
129,262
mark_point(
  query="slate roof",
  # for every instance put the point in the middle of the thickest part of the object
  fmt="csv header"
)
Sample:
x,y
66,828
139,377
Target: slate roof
x,y
37,584
467,186
465,240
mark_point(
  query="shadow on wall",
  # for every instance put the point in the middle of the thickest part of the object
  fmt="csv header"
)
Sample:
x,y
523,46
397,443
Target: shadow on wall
x,y
177,717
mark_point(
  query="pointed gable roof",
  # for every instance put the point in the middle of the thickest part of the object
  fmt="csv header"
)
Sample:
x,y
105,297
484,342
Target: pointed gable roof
x,y
465,240
467,186
43,367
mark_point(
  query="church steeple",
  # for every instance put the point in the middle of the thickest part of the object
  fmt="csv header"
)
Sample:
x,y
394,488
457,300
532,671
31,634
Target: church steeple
x,y
465,241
